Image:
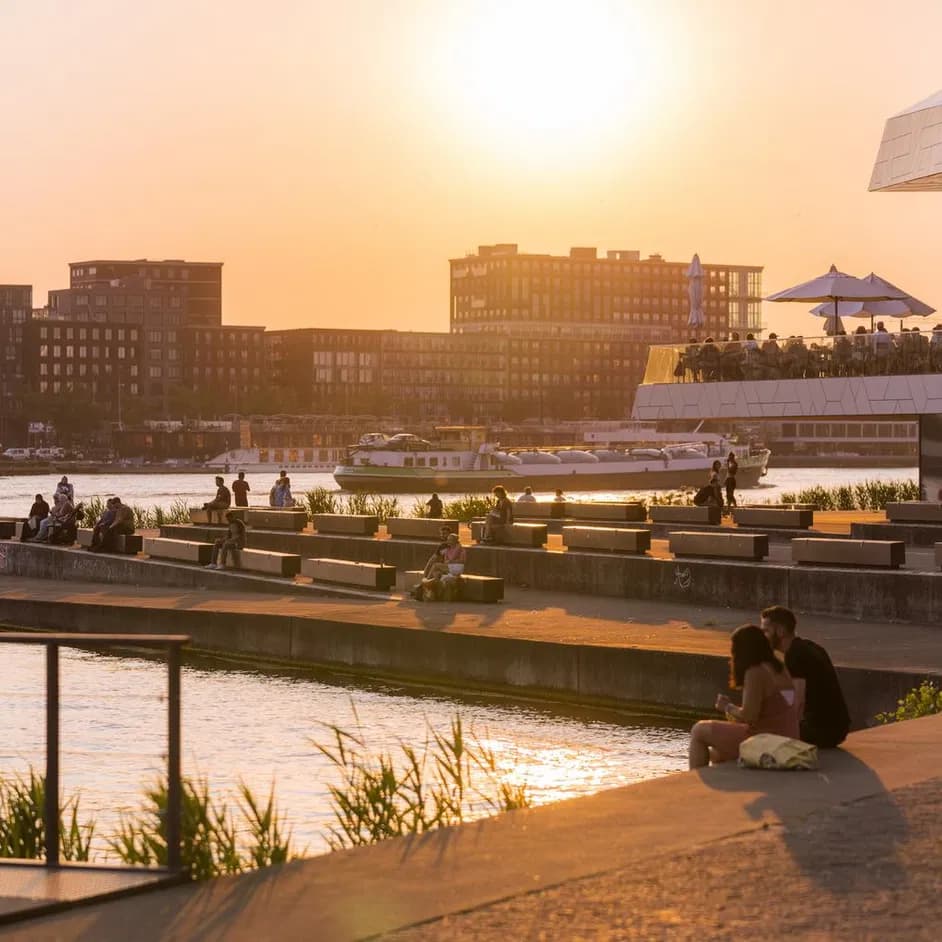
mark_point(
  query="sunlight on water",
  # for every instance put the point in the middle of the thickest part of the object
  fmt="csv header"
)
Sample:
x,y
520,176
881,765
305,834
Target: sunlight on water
x,y
259,727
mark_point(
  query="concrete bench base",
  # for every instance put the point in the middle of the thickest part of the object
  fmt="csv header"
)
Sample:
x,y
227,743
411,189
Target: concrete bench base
x,y
481,589
130,544
274,519
184,551
720,545
212,517
516,534
668,513
346,572
611,539
419,528
350,524
914,511
883,554
266,561
784,517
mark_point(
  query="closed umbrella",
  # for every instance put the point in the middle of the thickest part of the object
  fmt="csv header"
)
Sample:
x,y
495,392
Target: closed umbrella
x,y
834,287
695,292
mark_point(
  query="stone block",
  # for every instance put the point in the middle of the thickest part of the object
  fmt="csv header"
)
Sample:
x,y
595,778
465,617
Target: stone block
x,y
129,544
598,510
783,517
719,545
540,510
419,528
214,517
667,513
184,551
351,524
481,588
269,562
11,529
276,519
611,539
516,534
886,554
914,511
347,572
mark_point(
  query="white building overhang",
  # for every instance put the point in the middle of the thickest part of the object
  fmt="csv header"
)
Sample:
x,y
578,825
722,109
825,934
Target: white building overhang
x,y
919,394
910,155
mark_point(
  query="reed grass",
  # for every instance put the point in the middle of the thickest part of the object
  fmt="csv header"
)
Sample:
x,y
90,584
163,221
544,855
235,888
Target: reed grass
x,y
145,518
382,795
867,495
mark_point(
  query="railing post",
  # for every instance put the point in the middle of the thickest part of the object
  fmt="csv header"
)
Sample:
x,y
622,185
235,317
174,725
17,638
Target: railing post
x,y
174,790
51,810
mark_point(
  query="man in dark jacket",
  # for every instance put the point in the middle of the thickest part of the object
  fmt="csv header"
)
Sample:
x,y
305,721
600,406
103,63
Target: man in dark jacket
x,y
825,721
230,544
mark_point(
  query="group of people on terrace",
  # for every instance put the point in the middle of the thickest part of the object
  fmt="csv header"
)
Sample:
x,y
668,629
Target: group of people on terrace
x,y
789,687
863,353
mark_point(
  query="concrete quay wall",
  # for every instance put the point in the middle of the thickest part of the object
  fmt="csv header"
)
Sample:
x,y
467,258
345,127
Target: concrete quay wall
x,y
582,673
891,595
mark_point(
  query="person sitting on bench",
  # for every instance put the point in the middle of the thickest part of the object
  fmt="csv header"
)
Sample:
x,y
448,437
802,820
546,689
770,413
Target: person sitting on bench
x,y
231,543
122,524
223,498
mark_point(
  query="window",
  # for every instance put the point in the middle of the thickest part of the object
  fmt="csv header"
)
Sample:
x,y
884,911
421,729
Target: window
x,y
155,372
101,300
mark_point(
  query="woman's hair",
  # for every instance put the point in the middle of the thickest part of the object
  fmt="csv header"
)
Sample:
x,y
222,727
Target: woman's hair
x,y
499,491
717,465
749,648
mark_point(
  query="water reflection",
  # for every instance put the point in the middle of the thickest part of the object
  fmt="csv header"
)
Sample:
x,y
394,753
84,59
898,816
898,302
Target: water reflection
x,y
259,726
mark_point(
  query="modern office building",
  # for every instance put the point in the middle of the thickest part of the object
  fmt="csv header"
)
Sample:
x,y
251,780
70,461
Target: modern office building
x,y
621,296
16,304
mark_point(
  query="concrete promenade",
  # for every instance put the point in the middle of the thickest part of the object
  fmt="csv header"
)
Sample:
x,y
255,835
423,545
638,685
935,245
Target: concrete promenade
x,y
847,852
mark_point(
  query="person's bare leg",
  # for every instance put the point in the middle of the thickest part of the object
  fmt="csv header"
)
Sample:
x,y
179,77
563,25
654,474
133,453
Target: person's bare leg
x,y
699,751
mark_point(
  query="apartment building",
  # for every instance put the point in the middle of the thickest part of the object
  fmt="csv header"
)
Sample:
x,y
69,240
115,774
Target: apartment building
x,y
16,303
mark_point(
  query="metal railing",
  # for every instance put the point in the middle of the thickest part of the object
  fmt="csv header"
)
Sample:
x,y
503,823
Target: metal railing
x,y
52,641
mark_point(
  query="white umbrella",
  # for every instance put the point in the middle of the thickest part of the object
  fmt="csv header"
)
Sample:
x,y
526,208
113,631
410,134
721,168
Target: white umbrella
x,y
907,307
695,292
835,287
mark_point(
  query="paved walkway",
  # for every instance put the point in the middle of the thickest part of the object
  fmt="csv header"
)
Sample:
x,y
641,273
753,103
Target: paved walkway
x,y
847,852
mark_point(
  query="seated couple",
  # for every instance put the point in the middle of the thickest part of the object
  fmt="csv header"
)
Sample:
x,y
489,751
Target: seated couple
x,y
116,520
442,576
798,697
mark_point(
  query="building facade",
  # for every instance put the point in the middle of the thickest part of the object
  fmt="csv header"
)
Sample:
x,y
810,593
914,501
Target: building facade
x,y
16,304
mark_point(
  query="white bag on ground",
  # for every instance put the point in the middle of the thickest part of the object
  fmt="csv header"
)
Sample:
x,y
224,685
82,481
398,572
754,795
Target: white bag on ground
x,y
768,751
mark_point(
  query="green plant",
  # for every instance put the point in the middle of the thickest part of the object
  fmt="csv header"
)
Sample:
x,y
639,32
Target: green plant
x,y
210,840
373,505
22,833
418,508
672,498
320,501
380,796
924,700
468,507
867,495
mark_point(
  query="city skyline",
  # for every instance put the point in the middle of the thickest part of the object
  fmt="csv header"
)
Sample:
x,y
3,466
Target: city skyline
x,y
325,151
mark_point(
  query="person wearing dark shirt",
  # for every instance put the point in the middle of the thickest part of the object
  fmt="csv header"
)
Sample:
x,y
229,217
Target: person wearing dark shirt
x,y
37,513
825,721
223,498
434,504
240,490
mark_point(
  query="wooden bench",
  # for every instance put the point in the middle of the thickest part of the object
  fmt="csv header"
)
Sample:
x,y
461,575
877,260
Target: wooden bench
x,y
914,511
516,534
11,528
885,554
275,519
129,544
419,528
198,515
719,545
184,551
671,513
267,561
347,572
611,539
784,517
348,524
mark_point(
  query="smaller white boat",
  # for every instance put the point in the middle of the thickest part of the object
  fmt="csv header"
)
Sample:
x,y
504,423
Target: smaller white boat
x,y
277,459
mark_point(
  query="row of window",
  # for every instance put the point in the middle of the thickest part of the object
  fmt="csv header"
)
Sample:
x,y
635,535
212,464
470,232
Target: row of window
x,y
600,267
91,333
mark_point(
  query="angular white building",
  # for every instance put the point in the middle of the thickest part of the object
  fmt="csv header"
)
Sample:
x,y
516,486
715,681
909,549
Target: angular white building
x,y
910,155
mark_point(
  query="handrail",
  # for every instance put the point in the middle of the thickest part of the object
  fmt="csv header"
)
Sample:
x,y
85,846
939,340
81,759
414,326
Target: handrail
x,y
52,642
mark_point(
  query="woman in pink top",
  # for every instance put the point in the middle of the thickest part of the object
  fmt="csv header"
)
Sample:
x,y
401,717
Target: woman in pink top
x,y
769,702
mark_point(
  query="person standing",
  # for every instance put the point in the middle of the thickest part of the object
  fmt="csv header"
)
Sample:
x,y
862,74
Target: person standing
x,y
732,467
826,720
435,506
240,490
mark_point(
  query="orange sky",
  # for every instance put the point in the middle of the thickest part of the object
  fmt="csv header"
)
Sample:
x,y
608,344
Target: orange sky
x,y
335,155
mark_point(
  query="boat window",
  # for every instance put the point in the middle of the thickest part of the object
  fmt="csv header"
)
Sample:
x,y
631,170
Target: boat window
x,y
420,462
455,462
408,462
433,462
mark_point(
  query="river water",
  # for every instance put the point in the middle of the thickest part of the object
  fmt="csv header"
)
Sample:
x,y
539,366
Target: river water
x,y
17,491
260,726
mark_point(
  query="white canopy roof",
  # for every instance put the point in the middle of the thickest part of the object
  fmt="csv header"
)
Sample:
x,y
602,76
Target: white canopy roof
x,y
910,155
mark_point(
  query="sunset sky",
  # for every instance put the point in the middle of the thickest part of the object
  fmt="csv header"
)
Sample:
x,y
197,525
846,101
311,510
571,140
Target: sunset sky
x,y
335,155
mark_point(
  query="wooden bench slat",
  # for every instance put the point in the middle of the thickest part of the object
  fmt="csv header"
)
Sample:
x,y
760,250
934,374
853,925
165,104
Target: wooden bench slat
x,y
612,539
